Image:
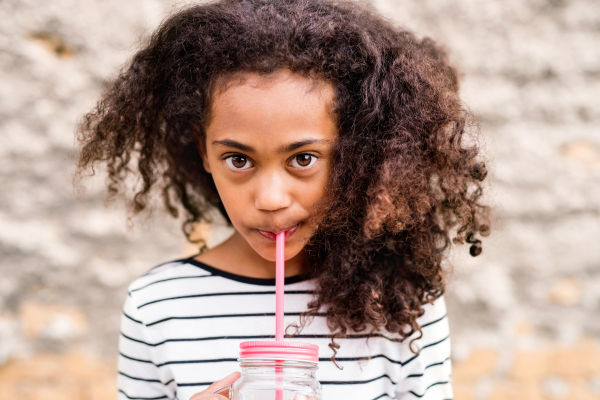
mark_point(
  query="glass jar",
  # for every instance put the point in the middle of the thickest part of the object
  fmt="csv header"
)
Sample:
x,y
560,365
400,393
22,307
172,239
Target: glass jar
x,y
277,371
262,378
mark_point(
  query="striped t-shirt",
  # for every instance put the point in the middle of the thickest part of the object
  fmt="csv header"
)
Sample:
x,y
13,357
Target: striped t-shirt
x,y
183,323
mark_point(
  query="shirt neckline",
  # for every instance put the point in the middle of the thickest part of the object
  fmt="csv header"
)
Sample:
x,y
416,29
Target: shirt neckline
x,y
244,279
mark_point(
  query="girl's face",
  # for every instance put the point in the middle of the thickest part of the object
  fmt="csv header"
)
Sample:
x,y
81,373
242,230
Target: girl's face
x,y
268,148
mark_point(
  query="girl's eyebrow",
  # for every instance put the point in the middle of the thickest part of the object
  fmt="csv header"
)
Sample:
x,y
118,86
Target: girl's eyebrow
x,y
284,149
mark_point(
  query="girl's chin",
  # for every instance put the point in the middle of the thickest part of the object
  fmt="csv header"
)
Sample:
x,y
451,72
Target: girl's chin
x,y
268,252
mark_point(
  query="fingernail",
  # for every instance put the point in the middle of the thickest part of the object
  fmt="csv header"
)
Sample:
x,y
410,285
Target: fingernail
x,y
301,397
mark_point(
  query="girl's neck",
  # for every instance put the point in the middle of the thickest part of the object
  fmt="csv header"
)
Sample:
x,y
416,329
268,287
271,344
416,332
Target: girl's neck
x,y
236,256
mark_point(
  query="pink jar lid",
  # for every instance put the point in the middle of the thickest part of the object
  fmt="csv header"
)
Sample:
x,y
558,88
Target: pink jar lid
x,y
280,351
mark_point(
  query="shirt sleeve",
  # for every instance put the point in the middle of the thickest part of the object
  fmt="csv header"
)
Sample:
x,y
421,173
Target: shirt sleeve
x,y
426,375
138,376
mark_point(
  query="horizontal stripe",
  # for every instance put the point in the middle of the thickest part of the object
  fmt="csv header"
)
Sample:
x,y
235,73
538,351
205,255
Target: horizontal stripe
x,y
198,361
196,339
195,384
171,279
142,398
369,358
384,395
357,336
224,294
429,366
435,343
428,387
434,322
266,314
133,319
142,379
135,359
294,337
389,359
425,347
202,339
366,358
337,359
357,382
331,383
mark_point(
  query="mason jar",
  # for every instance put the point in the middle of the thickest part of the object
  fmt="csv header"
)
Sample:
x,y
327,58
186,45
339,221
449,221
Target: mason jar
x,y
276,371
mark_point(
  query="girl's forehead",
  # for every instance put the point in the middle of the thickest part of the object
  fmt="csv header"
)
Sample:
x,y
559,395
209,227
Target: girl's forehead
x,y
283,83
264,80
281,99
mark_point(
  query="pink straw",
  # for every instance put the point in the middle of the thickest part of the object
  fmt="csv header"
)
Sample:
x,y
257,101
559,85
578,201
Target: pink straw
x,y
279,284
279,291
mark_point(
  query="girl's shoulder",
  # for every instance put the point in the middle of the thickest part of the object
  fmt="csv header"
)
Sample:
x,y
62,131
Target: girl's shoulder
x,y
433,312
168,271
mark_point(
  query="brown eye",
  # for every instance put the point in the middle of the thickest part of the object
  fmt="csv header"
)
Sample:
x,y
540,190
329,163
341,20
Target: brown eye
x,y
238,162
303,160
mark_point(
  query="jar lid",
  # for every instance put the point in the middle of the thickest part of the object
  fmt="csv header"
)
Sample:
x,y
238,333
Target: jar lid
x,y
280,351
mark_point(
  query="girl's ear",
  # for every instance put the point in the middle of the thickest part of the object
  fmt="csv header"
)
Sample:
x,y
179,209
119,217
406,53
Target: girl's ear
x,y
200,146
205,163
203,156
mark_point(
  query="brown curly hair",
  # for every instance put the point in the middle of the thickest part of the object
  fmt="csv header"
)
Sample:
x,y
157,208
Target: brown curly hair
x,y
405,179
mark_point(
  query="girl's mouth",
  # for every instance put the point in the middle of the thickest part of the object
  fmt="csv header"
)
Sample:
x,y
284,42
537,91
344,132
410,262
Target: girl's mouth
x,y
271,236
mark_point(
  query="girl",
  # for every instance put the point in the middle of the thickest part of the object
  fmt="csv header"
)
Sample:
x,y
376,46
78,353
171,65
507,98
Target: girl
x,y
313,117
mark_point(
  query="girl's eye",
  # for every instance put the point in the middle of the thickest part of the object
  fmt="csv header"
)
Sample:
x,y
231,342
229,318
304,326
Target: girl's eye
x,y
238,163
303,161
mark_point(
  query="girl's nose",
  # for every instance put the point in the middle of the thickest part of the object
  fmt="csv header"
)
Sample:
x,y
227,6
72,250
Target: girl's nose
x,y
272,194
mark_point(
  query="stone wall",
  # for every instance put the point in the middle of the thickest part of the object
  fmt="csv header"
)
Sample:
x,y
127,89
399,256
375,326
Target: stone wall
x,y
525,315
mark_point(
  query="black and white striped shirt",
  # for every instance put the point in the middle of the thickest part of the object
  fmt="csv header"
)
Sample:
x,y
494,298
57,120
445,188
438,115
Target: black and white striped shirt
x,y
183,323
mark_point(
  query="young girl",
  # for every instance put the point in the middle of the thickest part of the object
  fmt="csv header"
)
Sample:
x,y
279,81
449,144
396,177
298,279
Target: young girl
x,y
317,118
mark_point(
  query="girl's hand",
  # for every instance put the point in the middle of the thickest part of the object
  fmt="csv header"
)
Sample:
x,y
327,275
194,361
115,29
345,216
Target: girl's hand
x,y
207,394
303,397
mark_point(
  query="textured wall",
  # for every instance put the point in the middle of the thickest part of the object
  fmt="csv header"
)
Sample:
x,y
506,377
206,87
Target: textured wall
x,y
525,315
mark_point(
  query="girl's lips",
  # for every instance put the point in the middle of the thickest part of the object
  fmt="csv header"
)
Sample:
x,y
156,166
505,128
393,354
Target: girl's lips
x,y
271,236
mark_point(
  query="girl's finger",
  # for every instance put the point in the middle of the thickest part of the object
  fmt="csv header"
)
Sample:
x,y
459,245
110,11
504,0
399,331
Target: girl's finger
x,y
229,379
303,397
208,396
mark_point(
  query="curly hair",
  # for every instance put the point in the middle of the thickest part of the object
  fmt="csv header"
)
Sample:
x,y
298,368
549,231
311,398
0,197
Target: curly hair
x,y
406,176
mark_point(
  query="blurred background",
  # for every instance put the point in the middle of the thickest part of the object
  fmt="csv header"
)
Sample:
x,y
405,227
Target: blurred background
x,y
525,315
